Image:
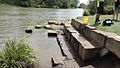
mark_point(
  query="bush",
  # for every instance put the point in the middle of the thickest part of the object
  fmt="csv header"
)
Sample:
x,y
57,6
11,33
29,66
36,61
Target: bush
x,y
86,13
108,10
17,54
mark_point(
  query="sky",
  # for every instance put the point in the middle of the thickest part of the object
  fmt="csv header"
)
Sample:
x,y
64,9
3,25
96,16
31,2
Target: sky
x,y
84,1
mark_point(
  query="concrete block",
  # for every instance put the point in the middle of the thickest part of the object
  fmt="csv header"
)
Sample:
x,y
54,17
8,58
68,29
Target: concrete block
x,y
113,44
73,22
38,26
86,49
52,33
87,30
74,42
87,54
77,24
56,61
68,32
98,37
52,22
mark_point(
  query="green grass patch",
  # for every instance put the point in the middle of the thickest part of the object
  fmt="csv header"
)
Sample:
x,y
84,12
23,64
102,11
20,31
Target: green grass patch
x,y
4,6
17,54
113,28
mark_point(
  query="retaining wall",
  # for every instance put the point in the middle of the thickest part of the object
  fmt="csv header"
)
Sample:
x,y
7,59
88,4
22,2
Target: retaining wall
x,y
82,47
105,40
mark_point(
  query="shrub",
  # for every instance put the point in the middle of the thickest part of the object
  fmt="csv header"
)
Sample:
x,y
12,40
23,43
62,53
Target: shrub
x,y
17,54
108,9
86,13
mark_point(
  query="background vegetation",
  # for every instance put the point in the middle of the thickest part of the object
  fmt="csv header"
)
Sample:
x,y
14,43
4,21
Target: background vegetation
x,y
108,7
42,3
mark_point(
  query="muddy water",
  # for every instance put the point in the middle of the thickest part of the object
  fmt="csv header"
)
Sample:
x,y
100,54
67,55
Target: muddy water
x,y
13,22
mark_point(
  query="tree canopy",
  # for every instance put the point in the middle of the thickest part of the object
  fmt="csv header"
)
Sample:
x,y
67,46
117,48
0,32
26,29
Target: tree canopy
x,y
42,3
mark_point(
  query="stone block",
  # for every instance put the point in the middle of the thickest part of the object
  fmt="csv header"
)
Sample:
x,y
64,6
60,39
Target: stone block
x,y
73,22
113,45
87,30
56,61
38,26
77,24
98,37
74,42
86,49
68,32
52,33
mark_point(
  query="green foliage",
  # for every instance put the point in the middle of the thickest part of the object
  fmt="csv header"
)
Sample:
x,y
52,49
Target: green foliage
x,y
82,5
59,3
86,13
17,54
108,9
24,3
42,3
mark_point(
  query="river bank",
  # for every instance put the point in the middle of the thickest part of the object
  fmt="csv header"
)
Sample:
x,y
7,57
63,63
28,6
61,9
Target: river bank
x,y
113,28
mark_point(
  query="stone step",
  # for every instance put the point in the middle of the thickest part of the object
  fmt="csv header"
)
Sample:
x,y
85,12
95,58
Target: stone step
x,y
56,61
38,26
69,61
63,47
81,46
52,33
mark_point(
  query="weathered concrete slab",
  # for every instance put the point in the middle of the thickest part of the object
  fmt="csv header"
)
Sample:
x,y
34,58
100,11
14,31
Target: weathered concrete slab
x,y
71,64
47,26
74,42
98,37
38,26
56,61
63,47
68,32
53,22
76,24
87,30
81,46
86,49
113,44
67,25
52,33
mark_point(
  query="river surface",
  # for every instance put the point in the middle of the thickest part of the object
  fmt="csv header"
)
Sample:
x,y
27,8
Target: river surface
x,y
14,21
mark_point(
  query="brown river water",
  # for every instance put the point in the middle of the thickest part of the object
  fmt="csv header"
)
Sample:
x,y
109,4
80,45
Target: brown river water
x,y
14,21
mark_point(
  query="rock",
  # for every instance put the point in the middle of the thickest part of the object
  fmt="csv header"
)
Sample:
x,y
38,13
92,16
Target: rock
x,y
29,30
52,33
38,26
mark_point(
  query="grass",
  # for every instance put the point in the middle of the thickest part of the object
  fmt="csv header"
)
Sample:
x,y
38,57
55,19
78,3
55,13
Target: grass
x,y
17,54
4,6
114,28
